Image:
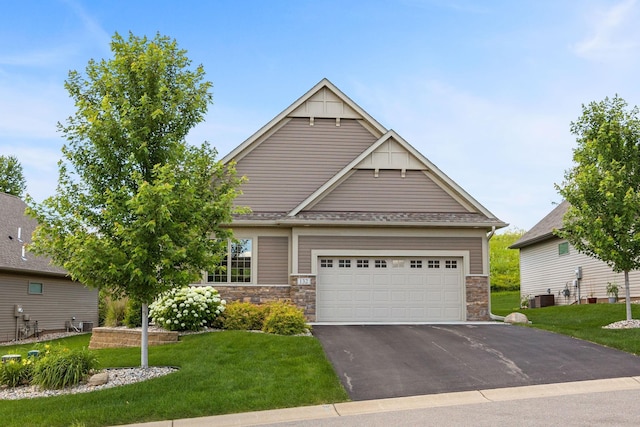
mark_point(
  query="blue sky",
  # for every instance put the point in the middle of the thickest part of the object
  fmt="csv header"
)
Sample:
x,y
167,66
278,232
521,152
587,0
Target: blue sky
x,y
486,90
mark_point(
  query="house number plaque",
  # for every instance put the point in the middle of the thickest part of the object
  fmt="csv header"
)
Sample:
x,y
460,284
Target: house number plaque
x,y
304,280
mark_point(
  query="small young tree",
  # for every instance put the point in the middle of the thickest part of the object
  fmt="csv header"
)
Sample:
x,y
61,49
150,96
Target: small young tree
x,y
136,208
11,177
603,187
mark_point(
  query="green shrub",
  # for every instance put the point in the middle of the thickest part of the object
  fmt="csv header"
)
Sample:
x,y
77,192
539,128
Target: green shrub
x,y
61,367
14,373
115,311
190,308
284,319
133,314
243,316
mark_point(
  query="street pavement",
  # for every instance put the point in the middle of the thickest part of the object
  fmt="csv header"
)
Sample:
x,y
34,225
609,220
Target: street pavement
x,y
607,402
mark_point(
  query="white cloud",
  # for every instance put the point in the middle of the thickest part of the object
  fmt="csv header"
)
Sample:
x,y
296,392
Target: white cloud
x,y
615,33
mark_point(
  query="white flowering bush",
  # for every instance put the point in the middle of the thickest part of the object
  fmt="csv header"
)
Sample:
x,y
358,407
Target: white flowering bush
x,y
187,309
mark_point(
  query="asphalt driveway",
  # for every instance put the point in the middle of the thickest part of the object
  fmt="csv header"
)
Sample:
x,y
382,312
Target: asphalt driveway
x,y
381,361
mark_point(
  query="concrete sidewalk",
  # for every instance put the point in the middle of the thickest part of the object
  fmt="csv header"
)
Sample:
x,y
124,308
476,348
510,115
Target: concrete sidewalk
x,y
347,409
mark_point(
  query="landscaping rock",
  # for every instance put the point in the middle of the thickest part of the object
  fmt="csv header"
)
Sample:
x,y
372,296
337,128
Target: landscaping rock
x,y
516,318
98,379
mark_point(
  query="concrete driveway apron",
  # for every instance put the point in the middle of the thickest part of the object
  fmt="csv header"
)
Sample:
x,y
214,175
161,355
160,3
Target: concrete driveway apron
x,y
382,361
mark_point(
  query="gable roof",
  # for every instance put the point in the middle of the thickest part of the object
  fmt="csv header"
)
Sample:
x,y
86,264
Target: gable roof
x,y
15,232
324,100
421,162
389,151
544,229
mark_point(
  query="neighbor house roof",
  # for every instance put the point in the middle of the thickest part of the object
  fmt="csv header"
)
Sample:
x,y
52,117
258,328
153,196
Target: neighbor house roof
x,y
544,229
15,233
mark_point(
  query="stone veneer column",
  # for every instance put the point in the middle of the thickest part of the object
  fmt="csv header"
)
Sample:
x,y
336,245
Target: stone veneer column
x,y
303,294
478,295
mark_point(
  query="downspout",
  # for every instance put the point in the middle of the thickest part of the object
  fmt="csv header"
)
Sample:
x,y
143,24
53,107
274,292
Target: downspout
x,y
491,315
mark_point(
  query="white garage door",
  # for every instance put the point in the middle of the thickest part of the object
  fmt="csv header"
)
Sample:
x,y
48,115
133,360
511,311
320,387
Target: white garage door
x,y
399,289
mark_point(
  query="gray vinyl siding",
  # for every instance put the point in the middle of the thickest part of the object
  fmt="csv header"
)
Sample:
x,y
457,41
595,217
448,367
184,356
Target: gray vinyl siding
x,y
273,260
60,301
296,160
308,243
389,192
542,268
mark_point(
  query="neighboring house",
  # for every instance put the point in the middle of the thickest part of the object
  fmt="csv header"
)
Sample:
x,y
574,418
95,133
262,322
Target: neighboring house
x,y
32,291
548,264
352,223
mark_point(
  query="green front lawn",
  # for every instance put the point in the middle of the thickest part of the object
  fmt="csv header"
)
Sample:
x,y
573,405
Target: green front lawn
x,y
583,321
505,302
220,373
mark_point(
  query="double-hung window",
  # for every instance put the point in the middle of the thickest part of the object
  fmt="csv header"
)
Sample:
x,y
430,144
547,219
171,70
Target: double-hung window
x,y
235,266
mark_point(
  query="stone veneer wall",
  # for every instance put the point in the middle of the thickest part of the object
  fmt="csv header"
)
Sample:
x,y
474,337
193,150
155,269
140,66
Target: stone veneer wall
x,y
477,298
302,295
104,337
254,294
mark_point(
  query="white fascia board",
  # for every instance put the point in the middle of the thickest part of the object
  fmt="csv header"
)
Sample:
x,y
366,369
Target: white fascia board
x,y
370,121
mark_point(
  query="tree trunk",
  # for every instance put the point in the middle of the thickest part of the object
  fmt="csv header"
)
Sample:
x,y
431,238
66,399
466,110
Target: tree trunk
x,y
627,294
144,342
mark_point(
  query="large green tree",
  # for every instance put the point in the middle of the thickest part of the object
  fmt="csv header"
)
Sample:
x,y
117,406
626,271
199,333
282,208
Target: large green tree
x,y
136,207
603,187
11,176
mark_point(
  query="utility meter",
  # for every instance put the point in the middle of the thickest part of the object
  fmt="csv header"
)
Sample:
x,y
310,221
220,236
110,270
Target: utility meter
x,y
579,273
17,310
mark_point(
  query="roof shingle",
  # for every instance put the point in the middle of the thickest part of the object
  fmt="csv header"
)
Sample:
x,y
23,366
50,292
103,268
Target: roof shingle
x,y
13,218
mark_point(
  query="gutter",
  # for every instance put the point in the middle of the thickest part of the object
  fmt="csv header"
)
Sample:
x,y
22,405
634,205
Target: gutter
x,y
491,315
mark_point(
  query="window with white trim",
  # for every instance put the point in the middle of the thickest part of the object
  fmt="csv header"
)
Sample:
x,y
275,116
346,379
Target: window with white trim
x,y
235,267
397,263
344,263
433,263
415,263
362,263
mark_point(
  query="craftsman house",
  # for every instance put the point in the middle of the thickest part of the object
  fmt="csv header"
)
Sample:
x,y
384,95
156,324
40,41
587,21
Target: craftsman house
x,y
35,296
352,223
549,264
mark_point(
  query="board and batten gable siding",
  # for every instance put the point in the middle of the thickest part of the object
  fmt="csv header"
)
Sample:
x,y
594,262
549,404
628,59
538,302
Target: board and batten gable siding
x,y
273,260
308,243
296,160
61,300
542,268
389,192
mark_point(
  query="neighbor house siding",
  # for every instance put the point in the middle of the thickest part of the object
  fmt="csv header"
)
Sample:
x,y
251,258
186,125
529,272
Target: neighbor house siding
x,y
542,269
389,192
273,260
308,243
61,300
297,159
